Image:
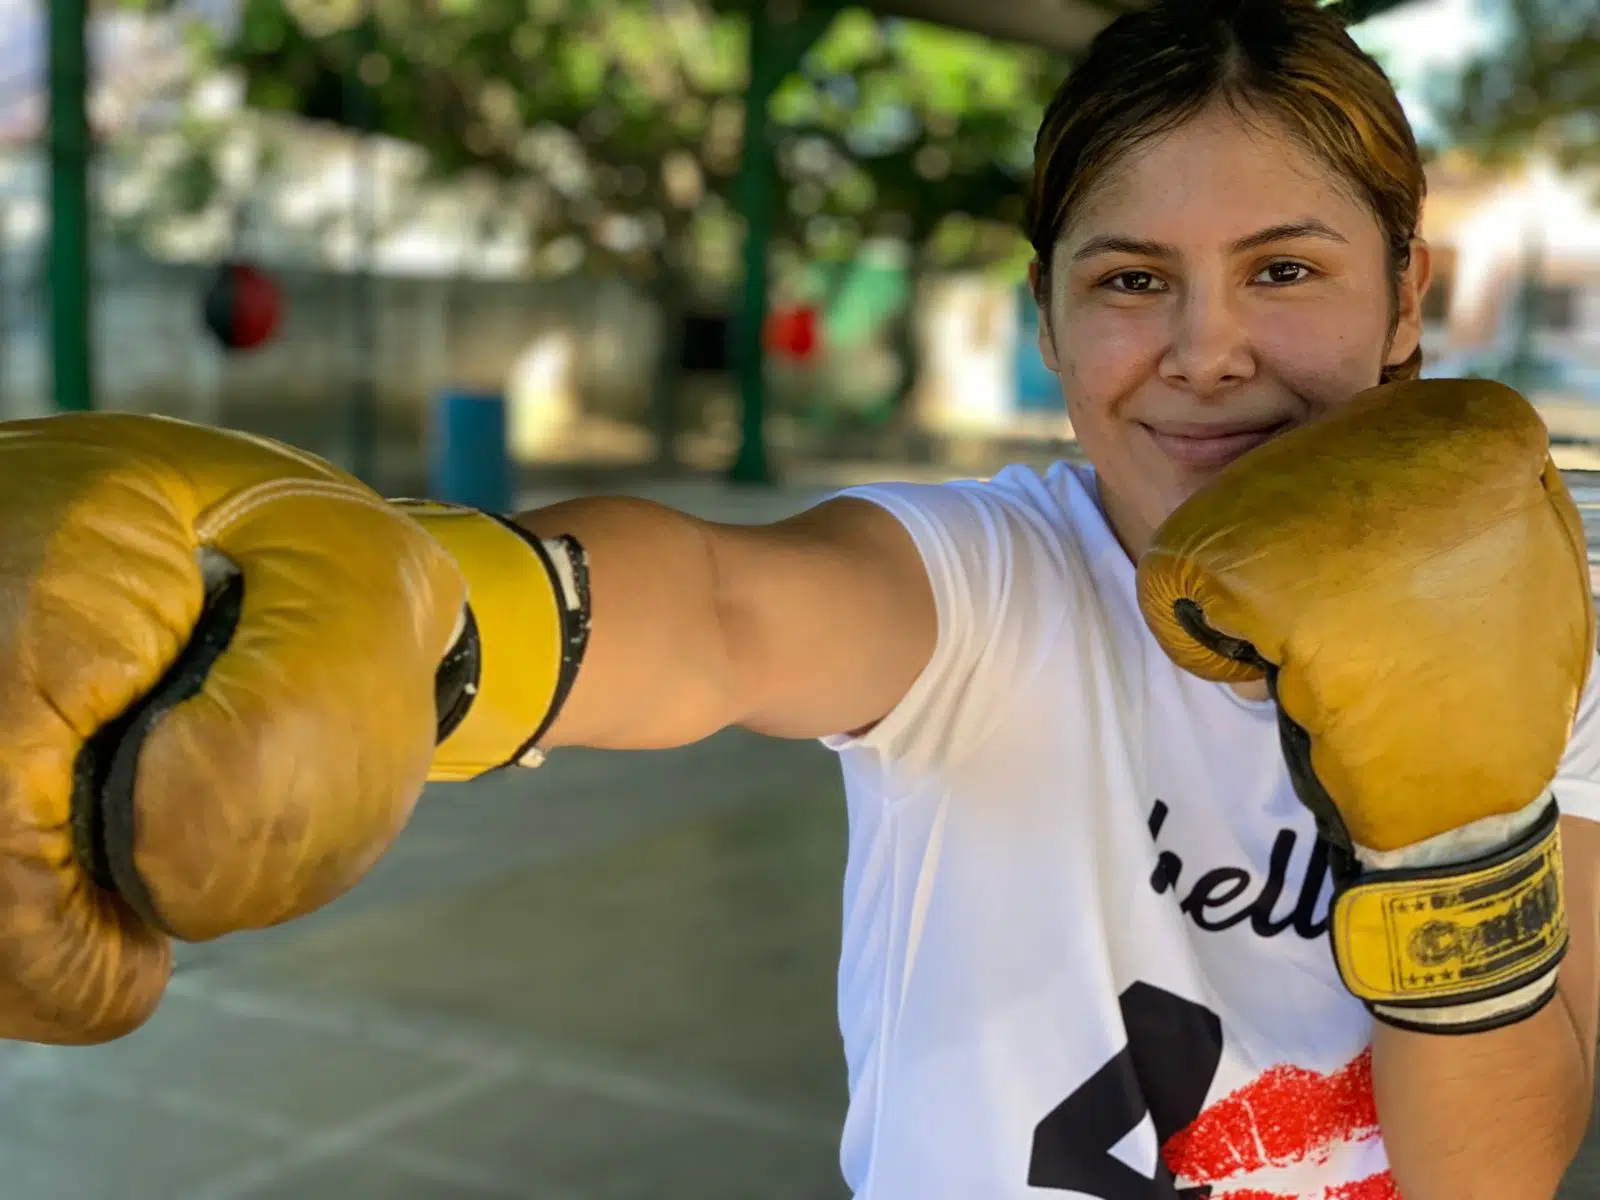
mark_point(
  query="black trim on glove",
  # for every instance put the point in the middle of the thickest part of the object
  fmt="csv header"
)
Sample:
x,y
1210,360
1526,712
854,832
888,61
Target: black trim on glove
x,y
456,682
575,627
1343,865
1296,742
103,820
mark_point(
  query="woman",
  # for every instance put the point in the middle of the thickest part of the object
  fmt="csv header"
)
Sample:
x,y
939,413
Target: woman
x,y
1086,942
1085,916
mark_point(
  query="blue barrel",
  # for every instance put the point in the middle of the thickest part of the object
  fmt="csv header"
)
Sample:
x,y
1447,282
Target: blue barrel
x,y
468,459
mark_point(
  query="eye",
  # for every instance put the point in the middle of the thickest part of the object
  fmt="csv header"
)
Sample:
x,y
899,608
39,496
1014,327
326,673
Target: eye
x,y
1132,282
1285,273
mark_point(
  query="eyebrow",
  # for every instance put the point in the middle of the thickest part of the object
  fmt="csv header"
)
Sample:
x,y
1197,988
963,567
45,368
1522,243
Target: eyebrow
x,y
1115,243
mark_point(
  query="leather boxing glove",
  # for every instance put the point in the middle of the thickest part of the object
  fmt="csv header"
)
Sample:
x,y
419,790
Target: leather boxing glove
x,y
1410,577
227,670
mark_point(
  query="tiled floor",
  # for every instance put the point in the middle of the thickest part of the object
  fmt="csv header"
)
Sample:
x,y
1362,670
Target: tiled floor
x,y
609,979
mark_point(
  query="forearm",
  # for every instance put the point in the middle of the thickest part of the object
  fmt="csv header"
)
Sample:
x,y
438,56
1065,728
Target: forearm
x,y
617,623
1485,1116
658,675
811,626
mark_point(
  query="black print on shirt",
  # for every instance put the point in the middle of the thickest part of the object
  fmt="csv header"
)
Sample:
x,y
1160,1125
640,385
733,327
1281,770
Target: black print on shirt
x,y
1166,1070
1214,900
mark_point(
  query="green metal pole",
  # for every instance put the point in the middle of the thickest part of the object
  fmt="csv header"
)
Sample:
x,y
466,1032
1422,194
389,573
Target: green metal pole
x,y
362,413
1520,368
70,341
775,50
758,173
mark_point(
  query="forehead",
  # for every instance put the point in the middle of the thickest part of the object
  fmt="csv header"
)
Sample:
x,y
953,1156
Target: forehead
x,y
1214,179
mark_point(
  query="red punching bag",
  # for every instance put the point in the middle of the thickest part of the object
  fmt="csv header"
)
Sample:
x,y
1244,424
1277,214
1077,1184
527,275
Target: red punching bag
x,y
242,306
792,333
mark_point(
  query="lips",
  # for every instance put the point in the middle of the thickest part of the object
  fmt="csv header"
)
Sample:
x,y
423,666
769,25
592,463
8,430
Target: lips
x,y
1287,1117
1200,448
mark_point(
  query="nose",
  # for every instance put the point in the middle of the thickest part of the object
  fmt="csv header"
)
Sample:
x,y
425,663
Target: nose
x,y
1209,351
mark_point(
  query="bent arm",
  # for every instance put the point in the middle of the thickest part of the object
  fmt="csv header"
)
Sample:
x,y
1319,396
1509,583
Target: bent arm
x,y
811,626
1500,1114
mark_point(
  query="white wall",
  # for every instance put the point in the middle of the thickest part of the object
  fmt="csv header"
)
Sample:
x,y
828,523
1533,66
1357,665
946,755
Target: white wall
x,y
555,346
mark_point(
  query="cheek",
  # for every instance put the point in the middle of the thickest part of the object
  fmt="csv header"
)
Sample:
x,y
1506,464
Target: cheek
x,y
1109,358
1332,350
1105,356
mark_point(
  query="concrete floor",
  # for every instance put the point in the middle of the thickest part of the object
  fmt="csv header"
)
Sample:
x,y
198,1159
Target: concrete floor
x,y
611,979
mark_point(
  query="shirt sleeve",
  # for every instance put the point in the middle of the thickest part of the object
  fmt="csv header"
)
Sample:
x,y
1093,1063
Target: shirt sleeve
x,y
1577,785
986,552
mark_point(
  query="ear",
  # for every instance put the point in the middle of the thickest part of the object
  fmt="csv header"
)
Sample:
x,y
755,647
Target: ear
x,y
1047,337
1408,316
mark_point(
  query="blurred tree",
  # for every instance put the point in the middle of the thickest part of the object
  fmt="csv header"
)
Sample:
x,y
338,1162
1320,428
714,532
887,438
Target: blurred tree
x,y
625,118
1537,89
914,133
614,126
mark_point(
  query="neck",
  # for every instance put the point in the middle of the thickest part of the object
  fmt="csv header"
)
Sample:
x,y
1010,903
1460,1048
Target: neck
x,y
1133,533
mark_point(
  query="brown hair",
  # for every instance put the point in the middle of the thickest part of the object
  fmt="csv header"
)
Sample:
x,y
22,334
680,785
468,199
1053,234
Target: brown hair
x,y
1287,60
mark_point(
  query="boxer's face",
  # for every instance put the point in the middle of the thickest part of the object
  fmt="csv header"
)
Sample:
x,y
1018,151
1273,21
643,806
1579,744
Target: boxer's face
x,y
1217,286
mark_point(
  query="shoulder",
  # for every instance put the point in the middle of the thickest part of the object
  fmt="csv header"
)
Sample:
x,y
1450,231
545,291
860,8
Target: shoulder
x,y
1019,518
1011,565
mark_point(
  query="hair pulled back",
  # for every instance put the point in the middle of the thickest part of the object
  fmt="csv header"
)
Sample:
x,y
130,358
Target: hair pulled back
x,y
1289,61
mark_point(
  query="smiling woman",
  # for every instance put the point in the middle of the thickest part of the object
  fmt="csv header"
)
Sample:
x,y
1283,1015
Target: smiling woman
x,y
1111,929
1226,241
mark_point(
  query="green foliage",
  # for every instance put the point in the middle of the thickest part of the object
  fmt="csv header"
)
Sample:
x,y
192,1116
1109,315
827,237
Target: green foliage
x,y
626,115
1538,89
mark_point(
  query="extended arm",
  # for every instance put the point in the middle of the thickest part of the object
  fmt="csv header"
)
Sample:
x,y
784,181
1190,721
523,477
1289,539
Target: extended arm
x,y
230,669
634,626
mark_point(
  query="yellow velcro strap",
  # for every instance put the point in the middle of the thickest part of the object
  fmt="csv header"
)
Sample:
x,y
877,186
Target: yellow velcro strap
x,y
1442,936
530,622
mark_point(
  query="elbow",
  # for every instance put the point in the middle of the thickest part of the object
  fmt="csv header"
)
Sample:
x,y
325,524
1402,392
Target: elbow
x,y
729,658
1526,1168
1533,1175
1490,1136
1544,1173
1569,1129
1574,1129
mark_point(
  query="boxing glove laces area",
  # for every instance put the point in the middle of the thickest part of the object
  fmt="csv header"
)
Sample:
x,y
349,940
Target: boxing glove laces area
x,y
1456,946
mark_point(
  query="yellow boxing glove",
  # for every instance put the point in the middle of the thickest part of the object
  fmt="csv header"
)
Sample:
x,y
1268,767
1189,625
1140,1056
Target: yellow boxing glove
x,y
1410,576
227,670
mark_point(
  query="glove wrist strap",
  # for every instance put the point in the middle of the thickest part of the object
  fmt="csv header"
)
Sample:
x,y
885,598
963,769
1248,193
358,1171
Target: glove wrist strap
x,y
522,643
1458,947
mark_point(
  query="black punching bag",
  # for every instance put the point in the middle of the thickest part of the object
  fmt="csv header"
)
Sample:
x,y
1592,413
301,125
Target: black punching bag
x,y
241,306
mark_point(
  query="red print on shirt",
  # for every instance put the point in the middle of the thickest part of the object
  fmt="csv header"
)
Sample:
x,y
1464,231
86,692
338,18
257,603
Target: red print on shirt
x,y
1287,1116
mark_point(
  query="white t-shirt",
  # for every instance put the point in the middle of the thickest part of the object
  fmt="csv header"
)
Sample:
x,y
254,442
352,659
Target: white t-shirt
x,y
1084,948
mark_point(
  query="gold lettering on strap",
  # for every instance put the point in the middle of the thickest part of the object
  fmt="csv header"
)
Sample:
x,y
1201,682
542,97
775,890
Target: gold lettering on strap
x,y
1436,937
